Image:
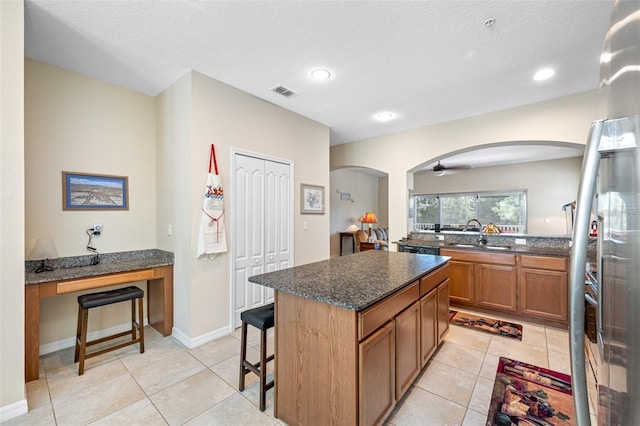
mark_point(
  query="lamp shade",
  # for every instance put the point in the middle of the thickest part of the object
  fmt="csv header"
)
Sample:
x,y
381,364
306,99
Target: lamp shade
x,y
44,249
369,217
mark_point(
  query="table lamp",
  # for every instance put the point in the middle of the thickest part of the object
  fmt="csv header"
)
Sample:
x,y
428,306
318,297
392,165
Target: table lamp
x,y
44,251
370,218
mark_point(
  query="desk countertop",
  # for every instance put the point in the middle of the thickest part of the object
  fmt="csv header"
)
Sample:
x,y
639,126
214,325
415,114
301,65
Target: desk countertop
x,y
80,266
355,281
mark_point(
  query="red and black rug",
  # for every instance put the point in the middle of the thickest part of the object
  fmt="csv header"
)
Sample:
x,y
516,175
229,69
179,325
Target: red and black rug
x,y
486,324
524,394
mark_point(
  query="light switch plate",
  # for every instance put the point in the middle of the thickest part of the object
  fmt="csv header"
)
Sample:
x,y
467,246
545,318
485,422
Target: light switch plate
x,y
521,241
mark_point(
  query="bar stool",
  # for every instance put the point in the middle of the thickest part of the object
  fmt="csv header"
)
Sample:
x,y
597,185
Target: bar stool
x,y
262,319
93,300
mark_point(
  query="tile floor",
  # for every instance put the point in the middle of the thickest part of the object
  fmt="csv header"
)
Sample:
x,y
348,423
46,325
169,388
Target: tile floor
x,y
170,384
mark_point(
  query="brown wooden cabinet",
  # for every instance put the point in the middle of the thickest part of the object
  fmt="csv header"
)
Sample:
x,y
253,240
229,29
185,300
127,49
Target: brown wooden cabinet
x,y
408,361
461,289
429,325
377,375
544,287
443,309
496,286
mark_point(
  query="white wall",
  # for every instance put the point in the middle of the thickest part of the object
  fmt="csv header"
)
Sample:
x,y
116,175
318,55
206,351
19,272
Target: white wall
x,y
228,118
565,119
75,123
549,185
12,390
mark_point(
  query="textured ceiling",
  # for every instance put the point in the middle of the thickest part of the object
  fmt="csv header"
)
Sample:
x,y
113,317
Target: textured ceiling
x,y
429,61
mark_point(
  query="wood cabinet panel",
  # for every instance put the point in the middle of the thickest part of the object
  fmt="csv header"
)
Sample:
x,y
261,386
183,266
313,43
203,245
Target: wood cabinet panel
x,y
377,376
496,287
461,284
408,362
433,280
375,316
544,294
544,262
481,256
443,309
429,325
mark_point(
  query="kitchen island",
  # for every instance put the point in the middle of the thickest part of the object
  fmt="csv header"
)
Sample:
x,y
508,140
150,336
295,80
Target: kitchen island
x,y
353,332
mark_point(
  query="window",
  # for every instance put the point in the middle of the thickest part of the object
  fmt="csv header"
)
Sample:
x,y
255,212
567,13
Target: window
x,y
506,210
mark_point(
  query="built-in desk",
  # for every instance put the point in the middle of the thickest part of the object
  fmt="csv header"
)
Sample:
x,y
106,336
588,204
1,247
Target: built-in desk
x,y
153,266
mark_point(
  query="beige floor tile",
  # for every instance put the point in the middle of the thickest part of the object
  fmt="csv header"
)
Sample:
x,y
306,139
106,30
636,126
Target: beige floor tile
x,y
156,349
468,338
558,341
518,351
252,394
229,369
99,401
534,336
61,364
67,383
466,359
38,394
473,418
39,416
162,374
420,407
481,396
191,397
448,382
235,410
141,413
217,350
489,366
560,362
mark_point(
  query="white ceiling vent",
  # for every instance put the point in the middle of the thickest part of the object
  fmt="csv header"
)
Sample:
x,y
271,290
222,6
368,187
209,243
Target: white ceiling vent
x,y
281,90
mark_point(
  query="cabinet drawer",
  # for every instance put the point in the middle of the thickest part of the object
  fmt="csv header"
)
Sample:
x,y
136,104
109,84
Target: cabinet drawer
x,y
431,281
544,262
375,316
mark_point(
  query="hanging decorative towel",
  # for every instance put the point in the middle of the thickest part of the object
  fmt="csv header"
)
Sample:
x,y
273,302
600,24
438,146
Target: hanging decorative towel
x,y
212,238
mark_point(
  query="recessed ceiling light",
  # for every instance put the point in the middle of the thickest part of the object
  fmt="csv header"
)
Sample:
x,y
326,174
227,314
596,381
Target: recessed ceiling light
x,y
384,116
321,74
544,74
489,22
605,57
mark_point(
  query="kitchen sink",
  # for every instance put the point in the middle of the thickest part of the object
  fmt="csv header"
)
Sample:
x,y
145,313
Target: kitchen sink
x,y
497,247
465,245
480,247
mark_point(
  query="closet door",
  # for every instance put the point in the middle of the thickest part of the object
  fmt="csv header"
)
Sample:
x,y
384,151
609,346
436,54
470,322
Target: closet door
x,y
263,214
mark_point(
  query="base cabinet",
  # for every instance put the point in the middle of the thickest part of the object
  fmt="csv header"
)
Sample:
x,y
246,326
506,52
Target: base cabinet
x,y
496,285
544,288
377,375
462,282
443,309
429,325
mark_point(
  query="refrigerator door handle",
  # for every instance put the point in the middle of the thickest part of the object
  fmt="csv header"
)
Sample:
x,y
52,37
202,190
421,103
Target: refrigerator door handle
x,y
578,262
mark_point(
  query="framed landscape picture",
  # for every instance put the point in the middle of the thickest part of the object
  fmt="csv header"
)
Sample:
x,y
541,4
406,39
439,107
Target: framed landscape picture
x,y
83,191
311,199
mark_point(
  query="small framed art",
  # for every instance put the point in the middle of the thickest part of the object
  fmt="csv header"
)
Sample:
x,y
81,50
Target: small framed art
x,y
311,199
83,191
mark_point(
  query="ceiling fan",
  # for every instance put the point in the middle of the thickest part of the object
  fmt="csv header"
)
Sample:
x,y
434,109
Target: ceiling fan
x,y
440,170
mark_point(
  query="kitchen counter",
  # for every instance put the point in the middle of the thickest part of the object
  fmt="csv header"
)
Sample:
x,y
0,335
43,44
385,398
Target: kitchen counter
x,y
518,249
69,268
353,282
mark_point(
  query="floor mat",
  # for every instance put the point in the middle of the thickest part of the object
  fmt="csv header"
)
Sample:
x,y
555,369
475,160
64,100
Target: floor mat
x,y
486,324
524,394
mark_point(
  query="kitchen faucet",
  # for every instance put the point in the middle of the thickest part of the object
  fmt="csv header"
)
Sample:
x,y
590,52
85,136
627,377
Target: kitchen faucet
x,y
482,239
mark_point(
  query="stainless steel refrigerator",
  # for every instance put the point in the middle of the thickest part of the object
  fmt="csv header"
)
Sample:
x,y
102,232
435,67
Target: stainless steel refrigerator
x,y
605,365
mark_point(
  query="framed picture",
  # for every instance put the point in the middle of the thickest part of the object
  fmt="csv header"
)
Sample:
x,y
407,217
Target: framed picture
x,y
311,199
82,191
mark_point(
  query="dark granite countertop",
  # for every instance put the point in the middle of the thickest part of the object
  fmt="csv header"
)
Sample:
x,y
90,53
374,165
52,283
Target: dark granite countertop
x,y
80,266
518,249
355,281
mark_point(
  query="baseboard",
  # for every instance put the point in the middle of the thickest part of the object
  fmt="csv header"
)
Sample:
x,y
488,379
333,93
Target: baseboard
x,y
191,343
13,410
48,348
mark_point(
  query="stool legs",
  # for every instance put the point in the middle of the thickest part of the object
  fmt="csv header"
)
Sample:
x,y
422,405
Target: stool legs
x,y
259,368
140,324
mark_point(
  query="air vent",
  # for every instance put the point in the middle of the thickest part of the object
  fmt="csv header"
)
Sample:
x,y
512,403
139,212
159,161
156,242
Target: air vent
x,y
281,90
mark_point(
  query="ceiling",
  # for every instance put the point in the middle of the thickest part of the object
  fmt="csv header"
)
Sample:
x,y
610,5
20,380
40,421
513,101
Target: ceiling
x,y
427,62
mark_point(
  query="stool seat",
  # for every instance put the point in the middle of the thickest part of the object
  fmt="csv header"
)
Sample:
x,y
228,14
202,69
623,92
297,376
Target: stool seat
x,y
93,300
261,318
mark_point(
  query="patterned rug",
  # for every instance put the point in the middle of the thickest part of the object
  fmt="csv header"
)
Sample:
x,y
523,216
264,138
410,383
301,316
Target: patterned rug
x,y
486,324
524,394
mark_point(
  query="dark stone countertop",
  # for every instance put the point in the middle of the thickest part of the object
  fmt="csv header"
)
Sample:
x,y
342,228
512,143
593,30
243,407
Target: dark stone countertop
x,y
80,266
355,281
517,249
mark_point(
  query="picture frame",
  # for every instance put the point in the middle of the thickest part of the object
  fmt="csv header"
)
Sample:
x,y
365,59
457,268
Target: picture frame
x,y
311,199
89,191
